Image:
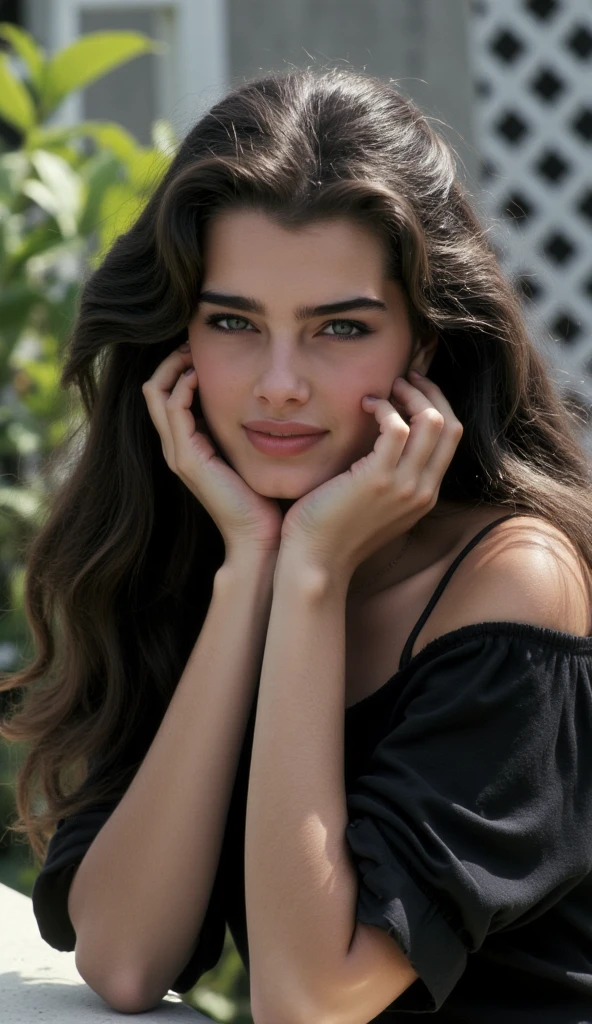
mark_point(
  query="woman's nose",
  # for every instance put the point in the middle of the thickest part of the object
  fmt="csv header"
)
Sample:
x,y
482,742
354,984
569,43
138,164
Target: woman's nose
x,y
282,375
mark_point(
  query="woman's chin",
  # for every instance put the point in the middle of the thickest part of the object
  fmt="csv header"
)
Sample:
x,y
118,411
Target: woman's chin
x,y
288,485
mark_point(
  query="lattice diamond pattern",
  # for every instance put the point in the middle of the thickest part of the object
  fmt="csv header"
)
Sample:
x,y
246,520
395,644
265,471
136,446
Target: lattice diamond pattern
x,y
532,68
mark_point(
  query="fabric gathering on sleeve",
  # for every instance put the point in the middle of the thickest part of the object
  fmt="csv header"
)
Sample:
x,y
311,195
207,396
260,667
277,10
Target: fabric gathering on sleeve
x,y
67,847
473,814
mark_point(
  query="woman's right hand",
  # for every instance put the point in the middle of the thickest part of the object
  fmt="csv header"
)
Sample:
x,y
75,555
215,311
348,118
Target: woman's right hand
x,y
246,520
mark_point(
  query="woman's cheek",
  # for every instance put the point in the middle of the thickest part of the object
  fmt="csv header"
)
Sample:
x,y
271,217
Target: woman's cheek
x,y
221,413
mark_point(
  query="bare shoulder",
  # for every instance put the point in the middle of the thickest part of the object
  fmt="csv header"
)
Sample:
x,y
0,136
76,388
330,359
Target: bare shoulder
x,y
524,570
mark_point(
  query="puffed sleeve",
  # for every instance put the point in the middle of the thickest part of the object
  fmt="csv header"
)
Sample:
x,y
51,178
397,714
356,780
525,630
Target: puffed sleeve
x,y
473,813
66,850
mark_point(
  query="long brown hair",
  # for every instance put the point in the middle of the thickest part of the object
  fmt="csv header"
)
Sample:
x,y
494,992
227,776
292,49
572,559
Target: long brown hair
x,y
119,577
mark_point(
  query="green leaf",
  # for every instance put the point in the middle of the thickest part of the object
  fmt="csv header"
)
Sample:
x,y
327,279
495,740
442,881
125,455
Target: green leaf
x,y
105,133
25,441
21,500
37,239
42,137
42,195
16,105
25,46
17,304
89,58
14,168
60,189
164,137
120,207
101,171
114,137
16,301
59,319
146,169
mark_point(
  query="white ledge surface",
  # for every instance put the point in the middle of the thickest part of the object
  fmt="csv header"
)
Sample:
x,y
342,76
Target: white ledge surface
x,y
40,985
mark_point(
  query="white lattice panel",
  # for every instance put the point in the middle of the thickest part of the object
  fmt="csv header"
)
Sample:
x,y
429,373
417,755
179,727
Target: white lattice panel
x,y
532,67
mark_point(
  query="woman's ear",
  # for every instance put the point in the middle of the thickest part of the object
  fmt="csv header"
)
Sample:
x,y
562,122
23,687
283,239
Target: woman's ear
x,y
425,352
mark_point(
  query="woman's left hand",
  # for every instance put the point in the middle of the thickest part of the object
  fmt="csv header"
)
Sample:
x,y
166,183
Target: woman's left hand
x,y
383,495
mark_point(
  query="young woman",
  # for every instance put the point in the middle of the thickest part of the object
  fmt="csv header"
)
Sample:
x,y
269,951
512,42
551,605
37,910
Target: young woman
x,y
333,690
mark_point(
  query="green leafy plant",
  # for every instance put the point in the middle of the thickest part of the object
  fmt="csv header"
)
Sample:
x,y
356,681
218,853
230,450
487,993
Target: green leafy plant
x,y
66,192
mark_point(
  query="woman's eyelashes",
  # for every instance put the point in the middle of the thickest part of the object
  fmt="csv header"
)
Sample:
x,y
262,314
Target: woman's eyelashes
x,y
215,319
237,324
361,328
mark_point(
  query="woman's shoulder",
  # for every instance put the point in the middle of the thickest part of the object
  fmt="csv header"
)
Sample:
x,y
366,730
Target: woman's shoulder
x,y
524,570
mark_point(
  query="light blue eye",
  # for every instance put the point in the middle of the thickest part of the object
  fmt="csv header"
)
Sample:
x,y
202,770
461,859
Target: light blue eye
x,y
350,327
337,326
346,329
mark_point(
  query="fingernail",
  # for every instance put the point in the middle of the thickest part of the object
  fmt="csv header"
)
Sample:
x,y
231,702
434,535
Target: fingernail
x,y
189,370
416,373
184,348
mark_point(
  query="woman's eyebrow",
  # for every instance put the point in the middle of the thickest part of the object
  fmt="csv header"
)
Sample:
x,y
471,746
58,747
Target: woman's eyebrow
x,y
247,305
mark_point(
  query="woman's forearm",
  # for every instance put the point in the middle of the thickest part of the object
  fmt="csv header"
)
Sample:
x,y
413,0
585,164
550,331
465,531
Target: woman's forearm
x,y
300,885
141,892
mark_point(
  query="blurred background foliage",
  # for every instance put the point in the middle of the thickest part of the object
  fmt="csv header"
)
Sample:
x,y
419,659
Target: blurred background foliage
x,y
66,193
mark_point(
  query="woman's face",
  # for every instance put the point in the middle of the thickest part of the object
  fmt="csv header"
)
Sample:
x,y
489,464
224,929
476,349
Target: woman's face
x,y
265,360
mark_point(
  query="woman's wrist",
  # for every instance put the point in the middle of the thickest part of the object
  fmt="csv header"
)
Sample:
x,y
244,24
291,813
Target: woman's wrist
x,y
248,563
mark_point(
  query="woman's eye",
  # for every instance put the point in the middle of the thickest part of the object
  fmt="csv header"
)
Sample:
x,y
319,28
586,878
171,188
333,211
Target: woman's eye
x,y
235,323
338,330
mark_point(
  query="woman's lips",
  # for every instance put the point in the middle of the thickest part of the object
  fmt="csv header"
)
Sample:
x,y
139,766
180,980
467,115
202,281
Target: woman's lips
x,y
282,445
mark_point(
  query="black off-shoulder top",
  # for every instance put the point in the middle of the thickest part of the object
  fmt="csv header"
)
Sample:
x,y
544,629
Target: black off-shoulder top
x,y
468,779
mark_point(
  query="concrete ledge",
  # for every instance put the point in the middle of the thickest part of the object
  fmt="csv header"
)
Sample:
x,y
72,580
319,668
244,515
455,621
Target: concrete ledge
x,y
40,985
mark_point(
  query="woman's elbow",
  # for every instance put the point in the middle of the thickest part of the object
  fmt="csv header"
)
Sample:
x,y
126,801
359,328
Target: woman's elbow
x,y
124,992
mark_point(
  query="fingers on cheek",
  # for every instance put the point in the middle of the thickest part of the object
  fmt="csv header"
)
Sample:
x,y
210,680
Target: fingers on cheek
x,y
401,409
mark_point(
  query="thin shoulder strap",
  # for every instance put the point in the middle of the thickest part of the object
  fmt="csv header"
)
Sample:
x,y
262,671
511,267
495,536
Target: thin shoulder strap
x,y
406,655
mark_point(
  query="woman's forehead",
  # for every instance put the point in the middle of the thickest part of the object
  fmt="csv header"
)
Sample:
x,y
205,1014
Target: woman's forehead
x,y
249,246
